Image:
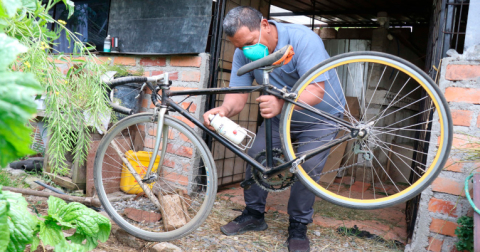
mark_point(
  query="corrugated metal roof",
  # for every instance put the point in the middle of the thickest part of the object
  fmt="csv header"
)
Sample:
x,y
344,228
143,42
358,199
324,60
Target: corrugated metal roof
x,y
361,13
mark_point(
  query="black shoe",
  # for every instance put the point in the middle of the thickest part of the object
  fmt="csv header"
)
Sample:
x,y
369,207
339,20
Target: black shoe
x,y
250,220
297,237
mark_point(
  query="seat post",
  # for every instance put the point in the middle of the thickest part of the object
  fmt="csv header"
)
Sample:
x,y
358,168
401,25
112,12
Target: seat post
x,y
268,124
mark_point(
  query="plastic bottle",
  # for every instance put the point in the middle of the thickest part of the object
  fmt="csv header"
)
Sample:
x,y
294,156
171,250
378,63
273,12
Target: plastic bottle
x,y
227,128
107,44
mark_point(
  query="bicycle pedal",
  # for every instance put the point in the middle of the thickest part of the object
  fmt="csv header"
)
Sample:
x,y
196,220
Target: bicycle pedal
x,y
246,184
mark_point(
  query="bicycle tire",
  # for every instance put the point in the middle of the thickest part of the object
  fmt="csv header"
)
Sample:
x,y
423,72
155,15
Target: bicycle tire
x,y
395,66
196,197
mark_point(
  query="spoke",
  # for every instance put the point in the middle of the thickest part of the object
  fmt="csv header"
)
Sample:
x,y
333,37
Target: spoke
x,y
381,166
344,128
404,128
395,111
378,140
406,118
355,86
381,133
391,161
390,105
399,91
375,90
404,157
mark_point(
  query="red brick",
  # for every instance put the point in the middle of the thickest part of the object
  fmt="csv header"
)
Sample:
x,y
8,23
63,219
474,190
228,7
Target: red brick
x,y
185,120
478,121
176,178
442,206
190,61
180,150
461,117
171,75
184,138
191,76
462,72
182,88
192,108
145,103
347,180
360,186
169,163
141,126
458,94
461,141
449,186
126,61
434,245
153,61
443,227
140,215
149,142
453,165
146,74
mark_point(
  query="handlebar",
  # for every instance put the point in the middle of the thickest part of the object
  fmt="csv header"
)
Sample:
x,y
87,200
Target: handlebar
x,y
137,79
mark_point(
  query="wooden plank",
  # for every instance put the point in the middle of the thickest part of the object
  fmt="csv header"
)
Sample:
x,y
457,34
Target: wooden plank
x,y
65,182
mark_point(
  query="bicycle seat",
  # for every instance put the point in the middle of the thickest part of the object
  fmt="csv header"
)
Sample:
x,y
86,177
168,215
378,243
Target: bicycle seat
x,y
278,58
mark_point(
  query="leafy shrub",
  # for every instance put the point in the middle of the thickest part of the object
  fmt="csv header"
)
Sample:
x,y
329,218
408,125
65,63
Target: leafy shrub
x,y
464,233
18,227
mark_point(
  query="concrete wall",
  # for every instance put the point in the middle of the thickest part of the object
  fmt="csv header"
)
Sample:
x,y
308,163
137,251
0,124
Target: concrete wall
x,y
443,202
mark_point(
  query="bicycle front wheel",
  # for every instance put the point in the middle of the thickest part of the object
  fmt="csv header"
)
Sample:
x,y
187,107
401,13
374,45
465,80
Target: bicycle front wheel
x,y
394,104
183,186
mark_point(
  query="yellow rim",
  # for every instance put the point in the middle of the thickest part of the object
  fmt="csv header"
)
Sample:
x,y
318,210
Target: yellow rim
x,y
388,198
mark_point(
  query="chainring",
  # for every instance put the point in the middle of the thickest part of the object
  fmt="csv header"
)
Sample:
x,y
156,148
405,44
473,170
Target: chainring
x,y
277,183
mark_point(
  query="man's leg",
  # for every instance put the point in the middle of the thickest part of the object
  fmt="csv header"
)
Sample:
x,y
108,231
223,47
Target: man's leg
x,y
300,204
255,197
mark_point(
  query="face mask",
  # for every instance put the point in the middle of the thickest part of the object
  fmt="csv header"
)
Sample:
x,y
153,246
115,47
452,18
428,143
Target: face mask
x,y
257,51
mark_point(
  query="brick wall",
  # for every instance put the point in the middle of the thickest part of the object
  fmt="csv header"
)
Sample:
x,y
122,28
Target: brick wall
x,y
443,202
186,72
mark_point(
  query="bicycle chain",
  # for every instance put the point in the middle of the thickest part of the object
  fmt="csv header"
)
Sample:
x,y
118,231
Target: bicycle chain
x,y
285,179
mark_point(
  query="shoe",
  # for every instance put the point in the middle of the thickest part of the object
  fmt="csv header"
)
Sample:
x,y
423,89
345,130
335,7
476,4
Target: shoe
x,y
250,220
297,237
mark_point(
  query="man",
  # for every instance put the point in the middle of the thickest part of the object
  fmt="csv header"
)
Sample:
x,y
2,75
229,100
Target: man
x,y
254,38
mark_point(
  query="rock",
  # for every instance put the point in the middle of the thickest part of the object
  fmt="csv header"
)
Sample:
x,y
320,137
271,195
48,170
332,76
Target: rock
x,y
128,239
165,247
15,172
317,233
31,182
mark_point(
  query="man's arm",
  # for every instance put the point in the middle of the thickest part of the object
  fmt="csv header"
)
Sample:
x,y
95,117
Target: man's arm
x,y
232,105
271,106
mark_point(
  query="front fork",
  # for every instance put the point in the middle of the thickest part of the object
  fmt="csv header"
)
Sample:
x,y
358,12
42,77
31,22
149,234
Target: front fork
x,y
162,134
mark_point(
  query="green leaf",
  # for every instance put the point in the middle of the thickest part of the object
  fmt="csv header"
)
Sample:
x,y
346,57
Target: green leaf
x,y
9,48
16,103
9,7
35,243
70,6
51,233
73,247
21,223
30,5
4,230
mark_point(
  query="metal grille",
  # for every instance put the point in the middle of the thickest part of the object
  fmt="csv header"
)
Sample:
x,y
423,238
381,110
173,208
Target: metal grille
x,y
447,31
230,168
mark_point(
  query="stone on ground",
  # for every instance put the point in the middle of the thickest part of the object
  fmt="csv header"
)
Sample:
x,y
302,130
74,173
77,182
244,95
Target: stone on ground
x,y
165,247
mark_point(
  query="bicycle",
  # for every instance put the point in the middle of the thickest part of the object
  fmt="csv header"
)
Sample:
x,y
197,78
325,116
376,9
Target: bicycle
x,y
182,177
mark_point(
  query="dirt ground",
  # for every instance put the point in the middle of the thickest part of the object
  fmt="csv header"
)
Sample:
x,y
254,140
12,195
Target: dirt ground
x,y
209,238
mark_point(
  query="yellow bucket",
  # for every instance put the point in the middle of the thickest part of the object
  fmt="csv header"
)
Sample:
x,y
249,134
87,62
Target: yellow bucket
x,y
139,160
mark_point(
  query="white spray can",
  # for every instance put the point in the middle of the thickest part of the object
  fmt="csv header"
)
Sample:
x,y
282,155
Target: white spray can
x,y
230,130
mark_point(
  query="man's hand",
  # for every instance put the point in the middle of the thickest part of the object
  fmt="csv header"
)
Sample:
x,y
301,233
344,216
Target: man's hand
x,y
270,105
219,110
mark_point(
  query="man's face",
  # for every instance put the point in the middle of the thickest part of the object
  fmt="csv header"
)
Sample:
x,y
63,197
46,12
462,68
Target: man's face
x,y
245,37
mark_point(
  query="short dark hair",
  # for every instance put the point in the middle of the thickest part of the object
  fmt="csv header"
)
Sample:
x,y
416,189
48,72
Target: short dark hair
x,y
241,16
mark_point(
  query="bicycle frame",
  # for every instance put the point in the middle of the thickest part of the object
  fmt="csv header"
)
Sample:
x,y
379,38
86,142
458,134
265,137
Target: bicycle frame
x,y
268,171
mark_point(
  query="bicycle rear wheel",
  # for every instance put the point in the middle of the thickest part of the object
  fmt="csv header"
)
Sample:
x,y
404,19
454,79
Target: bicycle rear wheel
x,y
395,102
185,187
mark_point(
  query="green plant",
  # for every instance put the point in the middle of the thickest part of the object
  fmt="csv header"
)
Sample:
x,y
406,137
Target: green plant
x,y
18,227
123,71
464,233
74,101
